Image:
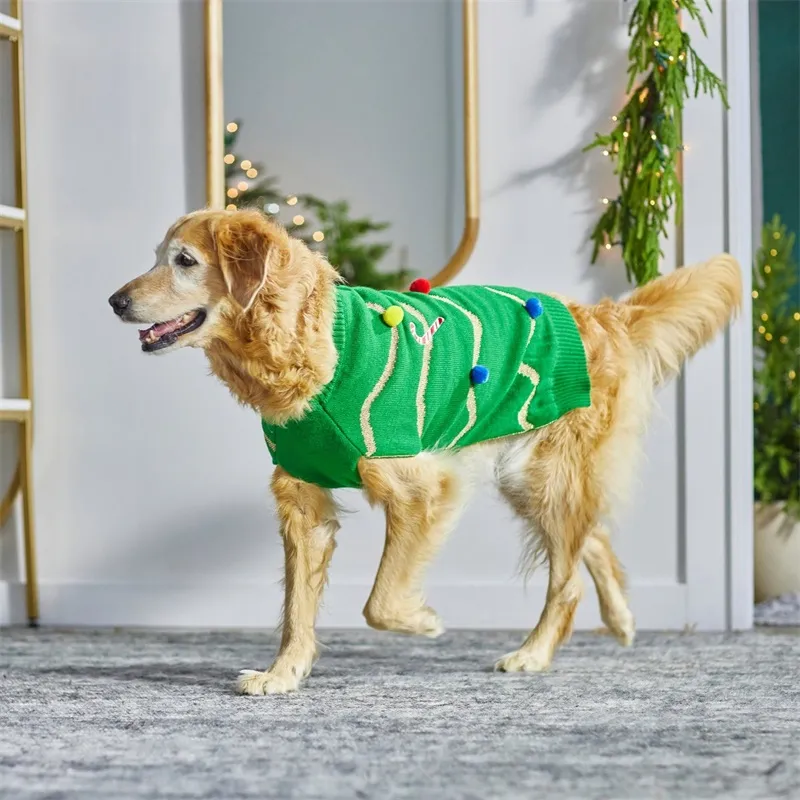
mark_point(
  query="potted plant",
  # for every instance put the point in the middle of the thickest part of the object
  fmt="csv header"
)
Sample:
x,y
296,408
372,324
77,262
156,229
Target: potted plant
x,y
776,341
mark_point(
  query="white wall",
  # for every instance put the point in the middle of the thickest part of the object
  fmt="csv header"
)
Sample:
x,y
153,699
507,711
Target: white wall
x,y
151,482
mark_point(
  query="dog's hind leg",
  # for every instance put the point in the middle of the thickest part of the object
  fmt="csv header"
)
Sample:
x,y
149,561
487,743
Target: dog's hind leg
x,y
308,526
421,497
553,489
609,580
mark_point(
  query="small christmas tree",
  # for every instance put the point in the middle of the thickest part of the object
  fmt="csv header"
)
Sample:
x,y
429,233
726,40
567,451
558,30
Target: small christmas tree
x,y
776,341
264,193
338,235
357,260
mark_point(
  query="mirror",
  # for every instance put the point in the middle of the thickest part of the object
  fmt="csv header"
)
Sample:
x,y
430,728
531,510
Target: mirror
x,y
354,124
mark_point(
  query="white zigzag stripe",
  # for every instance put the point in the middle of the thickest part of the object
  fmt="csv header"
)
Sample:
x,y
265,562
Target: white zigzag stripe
x,y
366,426
505,294
522,303
522,417
477,329
524,369
426,365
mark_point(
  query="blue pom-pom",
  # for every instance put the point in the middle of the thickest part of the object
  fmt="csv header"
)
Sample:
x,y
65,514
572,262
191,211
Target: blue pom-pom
x,y
533,305
479,374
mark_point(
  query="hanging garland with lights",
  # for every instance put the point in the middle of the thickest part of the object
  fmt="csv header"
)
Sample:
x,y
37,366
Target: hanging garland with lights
x,y
644,146
339,235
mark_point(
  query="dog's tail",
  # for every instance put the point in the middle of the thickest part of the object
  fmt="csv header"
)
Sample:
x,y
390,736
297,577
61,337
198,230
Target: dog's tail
x,y
672,317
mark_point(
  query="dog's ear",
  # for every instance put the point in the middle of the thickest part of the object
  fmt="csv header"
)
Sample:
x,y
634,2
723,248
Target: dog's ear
x,y
243,242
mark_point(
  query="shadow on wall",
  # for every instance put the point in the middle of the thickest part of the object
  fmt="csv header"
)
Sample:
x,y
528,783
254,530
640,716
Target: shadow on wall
x,y
587,59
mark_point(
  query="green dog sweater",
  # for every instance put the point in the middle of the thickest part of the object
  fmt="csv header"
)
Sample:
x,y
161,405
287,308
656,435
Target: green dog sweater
x,y
433,371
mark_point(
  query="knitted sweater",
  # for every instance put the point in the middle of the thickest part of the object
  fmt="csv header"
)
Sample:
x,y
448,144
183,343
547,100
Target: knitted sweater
x,y
438,371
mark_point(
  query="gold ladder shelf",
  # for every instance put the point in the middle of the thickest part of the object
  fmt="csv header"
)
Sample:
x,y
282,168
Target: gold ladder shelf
x,y
20,409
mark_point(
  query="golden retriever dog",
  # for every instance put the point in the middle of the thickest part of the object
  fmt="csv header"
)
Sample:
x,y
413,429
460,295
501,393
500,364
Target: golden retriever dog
x,y
261,306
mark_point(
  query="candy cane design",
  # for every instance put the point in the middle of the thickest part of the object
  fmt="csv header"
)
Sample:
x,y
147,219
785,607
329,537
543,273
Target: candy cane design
x,y
427,337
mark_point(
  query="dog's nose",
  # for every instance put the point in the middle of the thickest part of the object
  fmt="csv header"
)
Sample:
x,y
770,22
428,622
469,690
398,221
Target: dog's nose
x,y
119,302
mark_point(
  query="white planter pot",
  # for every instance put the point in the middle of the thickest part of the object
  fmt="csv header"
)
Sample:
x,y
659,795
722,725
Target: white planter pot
x,y
776,553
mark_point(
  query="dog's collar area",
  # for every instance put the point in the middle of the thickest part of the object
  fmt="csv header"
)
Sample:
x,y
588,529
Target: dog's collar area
x,y
164,334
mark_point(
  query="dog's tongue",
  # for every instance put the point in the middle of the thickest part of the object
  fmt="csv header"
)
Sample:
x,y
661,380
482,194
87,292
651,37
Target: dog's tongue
x,y
160,329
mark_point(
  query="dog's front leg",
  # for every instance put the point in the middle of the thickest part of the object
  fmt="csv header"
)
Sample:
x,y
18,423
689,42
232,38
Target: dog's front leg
x,y
308,526
422,497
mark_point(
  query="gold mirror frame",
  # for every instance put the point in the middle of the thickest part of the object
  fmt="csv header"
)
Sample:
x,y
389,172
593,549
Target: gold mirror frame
x,y
215,122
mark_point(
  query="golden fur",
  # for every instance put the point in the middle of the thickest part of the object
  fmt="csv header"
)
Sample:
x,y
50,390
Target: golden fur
x,y
267,335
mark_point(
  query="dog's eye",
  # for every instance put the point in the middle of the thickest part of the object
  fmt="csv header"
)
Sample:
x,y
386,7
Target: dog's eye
x,y
184,260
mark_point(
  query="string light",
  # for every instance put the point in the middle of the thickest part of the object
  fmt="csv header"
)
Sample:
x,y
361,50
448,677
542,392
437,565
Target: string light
x,y
653,135
755,294
318,236
605,201
761,329
624,134
767,269
797,316
657,43
776,235
605,152
298,219
291,200
768,337
682,56
246,164
784,340
614,118
672,58
765,316
233,192
230,207
252,172
273,208
792,374
231,127
242,186
652,202
229,158
773,252
608,245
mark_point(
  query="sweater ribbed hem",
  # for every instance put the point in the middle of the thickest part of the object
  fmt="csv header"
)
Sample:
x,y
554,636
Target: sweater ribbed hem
x,y
569,370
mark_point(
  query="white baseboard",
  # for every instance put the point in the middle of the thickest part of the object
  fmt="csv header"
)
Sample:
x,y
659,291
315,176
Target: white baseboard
x,y
655,606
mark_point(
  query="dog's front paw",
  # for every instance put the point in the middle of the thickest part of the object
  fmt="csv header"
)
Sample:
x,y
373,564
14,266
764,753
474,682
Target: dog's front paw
x,y
426,622
422,621
270,682
523,661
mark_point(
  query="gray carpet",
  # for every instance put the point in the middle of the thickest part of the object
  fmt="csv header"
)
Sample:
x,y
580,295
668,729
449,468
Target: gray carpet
x,y
783,610
119,714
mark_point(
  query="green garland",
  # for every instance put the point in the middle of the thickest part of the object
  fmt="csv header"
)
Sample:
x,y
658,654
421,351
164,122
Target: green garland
x,y
776,357
646,141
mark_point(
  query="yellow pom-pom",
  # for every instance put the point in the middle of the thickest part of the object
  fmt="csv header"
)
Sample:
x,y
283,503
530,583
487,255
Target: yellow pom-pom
x,y
393,316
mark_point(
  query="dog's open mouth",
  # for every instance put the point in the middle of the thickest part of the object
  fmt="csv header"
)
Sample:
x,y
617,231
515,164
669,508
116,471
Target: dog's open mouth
x,y
164,334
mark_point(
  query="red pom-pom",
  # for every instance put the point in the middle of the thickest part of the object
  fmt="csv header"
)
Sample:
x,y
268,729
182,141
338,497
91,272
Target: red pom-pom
x,y
420,285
